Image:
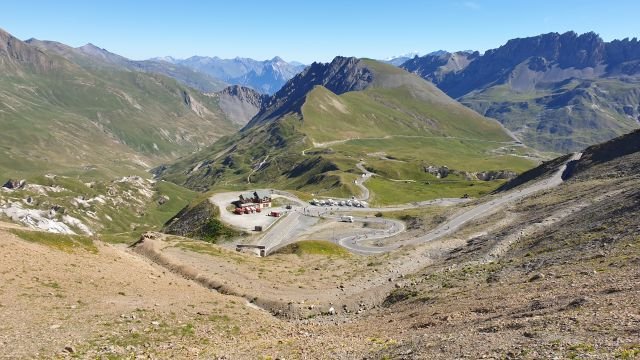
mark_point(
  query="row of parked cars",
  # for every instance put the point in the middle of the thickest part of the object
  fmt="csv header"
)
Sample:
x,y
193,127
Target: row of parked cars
x,y
331,202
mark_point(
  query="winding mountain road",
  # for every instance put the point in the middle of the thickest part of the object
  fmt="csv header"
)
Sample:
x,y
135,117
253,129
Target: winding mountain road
x,y
365,194
452,225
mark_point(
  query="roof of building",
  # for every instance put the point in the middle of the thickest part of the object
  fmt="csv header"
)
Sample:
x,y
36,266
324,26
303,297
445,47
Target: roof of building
x,y
247,195
262,194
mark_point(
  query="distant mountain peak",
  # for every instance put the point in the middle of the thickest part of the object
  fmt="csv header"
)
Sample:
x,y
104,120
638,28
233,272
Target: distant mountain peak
x,y
93,49
90,46
408,55
398,60
266,76
168,59
342,74
438,53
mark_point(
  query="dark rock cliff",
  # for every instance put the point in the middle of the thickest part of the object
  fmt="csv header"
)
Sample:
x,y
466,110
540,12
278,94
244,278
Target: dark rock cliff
x,y
343,74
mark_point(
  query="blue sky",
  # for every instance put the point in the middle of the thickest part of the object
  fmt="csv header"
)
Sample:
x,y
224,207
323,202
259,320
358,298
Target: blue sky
x,y
309,31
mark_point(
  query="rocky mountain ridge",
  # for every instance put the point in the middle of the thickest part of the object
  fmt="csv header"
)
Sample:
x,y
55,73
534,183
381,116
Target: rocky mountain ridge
x,y
92,56
557,92
343,74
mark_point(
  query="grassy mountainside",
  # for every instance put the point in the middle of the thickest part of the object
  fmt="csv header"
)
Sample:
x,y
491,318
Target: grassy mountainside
x,y
57,115
309,138
83,136
563,117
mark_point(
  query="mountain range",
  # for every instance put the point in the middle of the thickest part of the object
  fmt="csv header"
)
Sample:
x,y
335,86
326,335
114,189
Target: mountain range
x,y
318,131
92,56
556,92
266,76
206,74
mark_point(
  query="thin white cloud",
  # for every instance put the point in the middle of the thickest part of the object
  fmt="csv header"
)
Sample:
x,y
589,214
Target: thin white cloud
x,y
471,5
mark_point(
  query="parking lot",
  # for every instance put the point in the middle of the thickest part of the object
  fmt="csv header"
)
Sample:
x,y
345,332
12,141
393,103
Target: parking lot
x,y
246,222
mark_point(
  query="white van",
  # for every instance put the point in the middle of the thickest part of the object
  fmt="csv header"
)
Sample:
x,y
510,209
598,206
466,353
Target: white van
x,y
348,219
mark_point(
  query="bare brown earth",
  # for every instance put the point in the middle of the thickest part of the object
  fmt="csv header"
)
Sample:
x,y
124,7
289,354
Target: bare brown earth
x,y
556,275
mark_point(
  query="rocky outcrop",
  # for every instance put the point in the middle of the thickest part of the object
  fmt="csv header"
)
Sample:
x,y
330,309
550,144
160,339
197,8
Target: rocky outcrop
x,y
495,175
434,67
240,104
200,222
342,75
438,171
14,184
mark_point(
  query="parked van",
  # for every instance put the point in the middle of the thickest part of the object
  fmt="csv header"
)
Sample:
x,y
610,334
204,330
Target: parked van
x,y
348,219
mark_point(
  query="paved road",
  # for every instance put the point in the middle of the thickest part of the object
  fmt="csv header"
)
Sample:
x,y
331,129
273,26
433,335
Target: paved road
x,y
364,191
441,202
351,241
285,229
480,210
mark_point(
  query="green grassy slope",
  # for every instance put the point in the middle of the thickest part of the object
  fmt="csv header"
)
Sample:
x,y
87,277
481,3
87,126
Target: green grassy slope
x,y
54,120
379,112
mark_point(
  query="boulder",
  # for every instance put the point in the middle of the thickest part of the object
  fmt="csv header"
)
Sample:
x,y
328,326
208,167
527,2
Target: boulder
x,y
14,184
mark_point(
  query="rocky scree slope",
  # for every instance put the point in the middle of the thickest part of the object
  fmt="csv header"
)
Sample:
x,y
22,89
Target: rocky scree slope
x,y
554,275
240,103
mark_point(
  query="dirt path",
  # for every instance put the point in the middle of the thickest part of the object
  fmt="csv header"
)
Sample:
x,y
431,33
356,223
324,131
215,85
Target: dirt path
x,y
256,168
